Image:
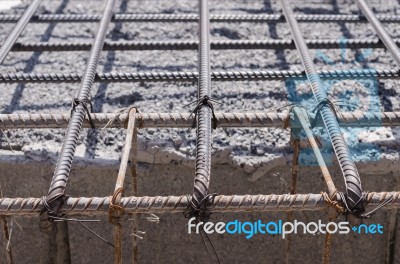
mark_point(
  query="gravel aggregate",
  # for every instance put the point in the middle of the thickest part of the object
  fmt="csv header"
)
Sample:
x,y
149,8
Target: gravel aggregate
x,y
245,146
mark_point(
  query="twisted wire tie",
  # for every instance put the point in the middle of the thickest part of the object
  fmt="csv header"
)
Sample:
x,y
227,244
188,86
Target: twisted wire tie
x,y
115,210
332,202
84,103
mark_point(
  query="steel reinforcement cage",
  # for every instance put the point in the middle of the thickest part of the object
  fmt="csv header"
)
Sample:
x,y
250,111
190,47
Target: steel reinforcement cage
x,y
199,205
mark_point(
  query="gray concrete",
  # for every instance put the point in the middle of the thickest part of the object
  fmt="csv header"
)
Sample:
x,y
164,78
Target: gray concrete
x,y
168,241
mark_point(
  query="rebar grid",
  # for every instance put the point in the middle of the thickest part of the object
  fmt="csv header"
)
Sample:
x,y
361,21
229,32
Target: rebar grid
x,y
173,204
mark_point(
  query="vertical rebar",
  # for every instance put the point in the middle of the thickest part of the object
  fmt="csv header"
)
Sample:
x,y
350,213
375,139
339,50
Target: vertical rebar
x,y
7,239
306,126
126,154
17,30
203,146
349,170
61,174
135,217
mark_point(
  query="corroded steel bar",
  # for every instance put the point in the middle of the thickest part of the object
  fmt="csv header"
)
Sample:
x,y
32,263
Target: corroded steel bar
x,y
193,45
349,170
119,186
193,76
73,18
171,120
306,127
178,204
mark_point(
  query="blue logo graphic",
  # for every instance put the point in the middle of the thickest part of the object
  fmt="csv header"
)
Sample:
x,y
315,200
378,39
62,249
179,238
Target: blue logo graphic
x,y
279,228
368,229
349,94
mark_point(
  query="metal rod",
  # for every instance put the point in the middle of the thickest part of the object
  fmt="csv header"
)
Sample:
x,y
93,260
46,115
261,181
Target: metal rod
x,y
184,120
193,45
17,30
306,126
380,30
204,115
193,76
349,170
392,228
7,232
61,173
74,18
120,183
178,204
135,223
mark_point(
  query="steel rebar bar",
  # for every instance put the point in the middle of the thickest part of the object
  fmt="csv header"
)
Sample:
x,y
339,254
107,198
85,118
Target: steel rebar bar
x,y
193,76
178,204
349,170
61,173
115,213
193,45
74,18
203,113
185,120
17,30
306,127
380,30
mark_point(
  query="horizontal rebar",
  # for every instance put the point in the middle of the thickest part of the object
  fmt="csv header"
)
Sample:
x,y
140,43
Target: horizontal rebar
x,y
178,204
73,18
193,45
193,76
183,120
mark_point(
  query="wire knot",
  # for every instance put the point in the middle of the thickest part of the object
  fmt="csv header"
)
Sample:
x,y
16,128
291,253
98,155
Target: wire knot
x,y
332,202
115,210
204,101
84,103
326,103
49,212
358,210
200,210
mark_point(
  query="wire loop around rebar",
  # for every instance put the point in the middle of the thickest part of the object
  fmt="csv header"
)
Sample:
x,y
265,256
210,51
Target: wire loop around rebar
x,y
49,211
85,104
207,101
116,210
200,211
